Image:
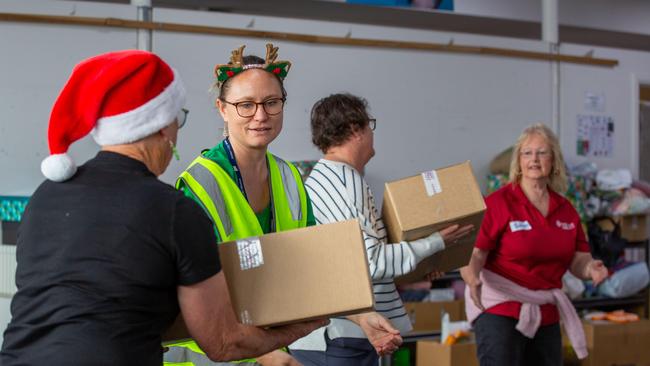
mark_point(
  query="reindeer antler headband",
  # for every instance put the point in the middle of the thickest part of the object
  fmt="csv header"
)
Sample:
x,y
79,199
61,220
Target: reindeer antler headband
x,y
236,65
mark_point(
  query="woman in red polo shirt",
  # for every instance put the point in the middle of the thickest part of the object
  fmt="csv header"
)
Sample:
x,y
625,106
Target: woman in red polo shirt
x,y
530,236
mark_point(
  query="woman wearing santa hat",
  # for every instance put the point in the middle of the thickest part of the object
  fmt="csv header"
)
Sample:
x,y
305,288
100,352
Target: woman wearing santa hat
x,y
108,254
247,191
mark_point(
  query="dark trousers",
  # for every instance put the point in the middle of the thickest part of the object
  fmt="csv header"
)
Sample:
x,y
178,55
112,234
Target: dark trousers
x,y
340,352
500,344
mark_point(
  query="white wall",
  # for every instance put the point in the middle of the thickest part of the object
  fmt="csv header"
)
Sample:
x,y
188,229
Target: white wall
x,y
616,85
427,104
433,109
5,315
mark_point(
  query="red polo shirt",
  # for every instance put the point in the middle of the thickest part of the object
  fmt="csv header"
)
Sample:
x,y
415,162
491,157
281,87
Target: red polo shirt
x,y
527,248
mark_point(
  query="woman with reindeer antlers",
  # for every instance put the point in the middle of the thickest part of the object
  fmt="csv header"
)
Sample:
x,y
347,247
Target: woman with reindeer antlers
x,y
247,191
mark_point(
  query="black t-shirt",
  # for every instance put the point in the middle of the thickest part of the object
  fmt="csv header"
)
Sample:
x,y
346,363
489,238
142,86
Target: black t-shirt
x,y
99,260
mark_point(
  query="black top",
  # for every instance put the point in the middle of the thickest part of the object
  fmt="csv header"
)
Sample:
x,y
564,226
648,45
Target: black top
x,y
99,260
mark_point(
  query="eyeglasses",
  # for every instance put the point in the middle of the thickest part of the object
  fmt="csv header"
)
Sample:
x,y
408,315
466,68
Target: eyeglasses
x,y
182,117
529,154
247,109
372,123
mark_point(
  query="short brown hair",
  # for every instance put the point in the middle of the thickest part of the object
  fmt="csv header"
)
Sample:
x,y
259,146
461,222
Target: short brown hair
x,y
335,118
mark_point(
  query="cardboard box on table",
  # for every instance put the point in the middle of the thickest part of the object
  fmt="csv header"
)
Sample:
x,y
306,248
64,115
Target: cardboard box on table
x,y
613,344
429,353
292,276
418,206
426,316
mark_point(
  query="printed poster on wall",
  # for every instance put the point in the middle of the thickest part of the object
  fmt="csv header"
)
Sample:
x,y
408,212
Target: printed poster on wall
x,y
595,136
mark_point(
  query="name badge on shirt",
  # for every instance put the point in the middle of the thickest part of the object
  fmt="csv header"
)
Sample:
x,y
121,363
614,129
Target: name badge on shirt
x,y
520,225
565,225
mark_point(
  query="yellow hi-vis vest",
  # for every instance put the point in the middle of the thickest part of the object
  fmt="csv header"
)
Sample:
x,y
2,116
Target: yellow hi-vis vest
x,y
234,219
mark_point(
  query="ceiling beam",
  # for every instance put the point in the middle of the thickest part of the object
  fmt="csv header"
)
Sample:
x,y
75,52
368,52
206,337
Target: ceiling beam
x,y
404,17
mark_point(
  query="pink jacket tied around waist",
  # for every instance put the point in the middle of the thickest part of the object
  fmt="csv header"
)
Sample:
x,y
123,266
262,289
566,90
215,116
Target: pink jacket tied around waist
x,y
497,289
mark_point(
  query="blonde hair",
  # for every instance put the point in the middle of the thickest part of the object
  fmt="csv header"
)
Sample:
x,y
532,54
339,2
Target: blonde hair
x,y
557,180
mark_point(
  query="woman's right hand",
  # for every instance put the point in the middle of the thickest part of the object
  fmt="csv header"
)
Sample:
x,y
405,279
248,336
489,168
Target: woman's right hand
x,y
473,282
453,233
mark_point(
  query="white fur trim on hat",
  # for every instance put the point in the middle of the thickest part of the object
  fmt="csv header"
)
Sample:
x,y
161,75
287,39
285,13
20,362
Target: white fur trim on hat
x,y
58,167
143,121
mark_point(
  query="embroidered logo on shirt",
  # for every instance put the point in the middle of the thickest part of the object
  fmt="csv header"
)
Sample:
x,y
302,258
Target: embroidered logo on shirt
x,y
565,225
520,225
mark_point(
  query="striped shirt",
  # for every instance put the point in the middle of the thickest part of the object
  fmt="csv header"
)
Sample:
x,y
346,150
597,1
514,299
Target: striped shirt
x,y
339,192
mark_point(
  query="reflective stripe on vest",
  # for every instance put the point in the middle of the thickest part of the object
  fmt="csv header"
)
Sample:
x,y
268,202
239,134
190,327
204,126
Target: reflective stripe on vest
x,y
189,354
184,354
234,219
291,186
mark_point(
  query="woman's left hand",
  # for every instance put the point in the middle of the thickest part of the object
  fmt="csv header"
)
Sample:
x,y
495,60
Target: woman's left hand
x,y
597,271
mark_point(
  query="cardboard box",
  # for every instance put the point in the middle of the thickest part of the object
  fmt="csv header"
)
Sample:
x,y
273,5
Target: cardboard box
x,y
315,272
421,205
633,227
430,353
612,344
426,316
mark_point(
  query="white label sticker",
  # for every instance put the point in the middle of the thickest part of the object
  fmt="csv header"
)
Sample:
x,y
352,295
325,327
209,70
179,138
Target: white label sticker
x,y
520,225
431,182
250,253
245,317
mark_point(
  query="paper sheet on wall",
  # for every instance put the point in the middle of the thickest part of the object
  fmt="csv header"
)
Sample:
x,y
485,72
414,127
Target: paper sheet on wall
x,y
595,136
595,101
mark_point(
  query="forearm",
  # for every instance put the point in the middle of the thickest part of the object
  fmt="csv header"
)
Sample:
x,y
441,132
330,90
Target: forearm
x,y
580,265
211,321
476,264
356,318
394,260
253,342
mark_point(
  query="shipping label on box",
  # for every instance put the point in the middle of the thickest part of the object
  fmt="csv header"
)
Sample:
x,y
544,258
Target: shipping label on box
x,y
418,206
286,277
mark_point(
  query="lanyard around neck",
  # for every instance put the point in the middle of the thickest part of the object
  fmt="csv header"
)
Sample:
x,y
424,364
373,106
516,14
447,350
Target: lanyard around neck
x,y
231,157
240,181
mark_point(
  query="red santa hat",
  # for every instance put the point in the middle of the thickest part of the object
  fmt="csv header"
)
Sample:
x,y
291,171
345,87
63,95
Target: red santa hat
x,y
118,97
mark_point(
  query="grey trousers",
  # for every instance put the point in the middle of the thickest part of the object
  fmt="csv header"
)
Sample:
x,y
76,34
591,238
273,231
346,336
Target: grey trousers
x,y
499,343
340,352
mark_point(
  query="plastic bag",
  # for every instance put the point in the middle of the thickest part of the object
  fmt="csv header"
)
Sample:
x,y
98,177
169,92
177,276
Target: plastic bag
x,y
612,180
626,282
453,330
572,285
633,202
607,246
